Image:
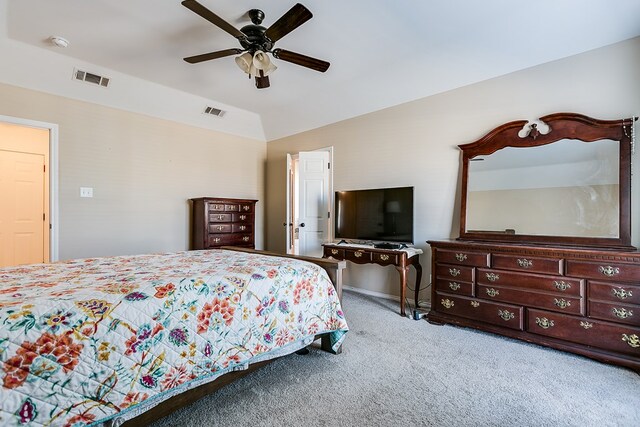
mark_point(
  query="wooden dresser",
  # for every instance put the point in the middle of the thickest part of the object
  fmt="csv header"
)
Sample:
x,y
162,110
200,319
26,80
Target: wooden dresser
x,y
579,300
223,222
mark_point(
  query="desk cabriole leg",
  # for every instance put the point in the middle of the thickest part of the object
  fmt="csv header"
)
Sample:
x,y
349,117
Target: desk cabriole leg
x,y
403,286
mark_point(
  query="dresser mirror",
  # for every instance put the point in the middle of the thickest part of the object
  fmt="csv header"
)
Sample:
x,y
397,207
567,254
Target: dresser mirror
x,y
570,185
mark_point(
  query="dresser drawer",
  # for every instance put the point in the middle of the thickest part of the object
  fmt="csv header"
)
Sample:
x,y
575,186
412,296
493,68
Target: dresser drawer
x,y
595,333
245,207
561,303
385,259
505,315
614,292
219,217
526,263
241,228
230,239
478,259
334,253
604,270
357,255
242,217
615,312
457,272
220,228
454,287
540,282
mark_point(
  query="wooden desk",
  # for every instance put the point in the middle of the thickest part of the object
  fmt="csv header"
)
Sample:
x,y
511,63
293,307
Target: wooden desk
x,y
370,255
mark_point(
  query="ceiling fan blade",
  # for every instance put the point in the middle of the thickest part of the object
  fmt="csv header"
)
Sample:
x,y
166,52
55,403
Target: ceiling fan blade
x,y
212,55
288,22
303,60
196,7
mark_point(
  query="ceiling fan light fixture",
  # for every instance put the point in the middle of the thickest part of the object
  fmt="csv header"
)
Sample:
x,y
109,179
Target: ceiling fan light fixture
x,y
245,62
262,62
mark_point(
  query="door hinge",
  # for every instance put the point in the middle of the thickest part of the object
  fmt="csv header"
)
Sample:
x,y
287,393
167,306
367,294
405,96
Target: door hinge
x,y
43,217
44,168
328,214
328,165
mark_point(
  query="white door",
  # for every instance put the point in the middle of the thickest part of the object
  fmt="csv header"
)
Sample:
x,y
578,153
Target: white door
x,y
313,202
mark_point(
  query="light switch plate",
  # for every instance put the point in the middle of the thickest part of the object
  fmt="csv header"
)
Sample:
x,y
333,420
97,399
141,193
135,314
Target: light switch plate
x,y
86,192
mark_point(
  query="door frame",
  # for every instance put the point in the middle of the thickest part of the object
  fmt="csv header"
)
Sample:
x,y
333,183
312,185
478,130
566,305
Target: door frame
x,y
291,198
54,229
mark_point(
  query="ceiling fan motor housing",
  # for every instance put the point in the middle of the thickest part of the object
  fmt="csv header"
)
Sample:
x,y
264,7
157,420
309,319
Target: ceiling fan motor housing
x,y
255,39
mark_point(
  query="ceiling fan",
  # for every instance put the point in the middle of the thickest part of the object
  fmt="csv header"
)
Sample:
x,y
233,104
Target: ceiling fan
x,y
257,41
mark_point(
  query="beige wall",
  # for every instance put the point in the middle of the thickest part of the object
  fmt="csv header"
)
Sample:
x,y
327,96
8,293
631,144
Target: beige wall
x,y
142,169
415,143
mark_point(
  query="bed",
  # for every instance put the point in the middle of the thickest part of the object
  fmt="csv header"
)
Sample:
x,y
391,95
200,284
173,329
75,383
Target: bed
x,y
103,340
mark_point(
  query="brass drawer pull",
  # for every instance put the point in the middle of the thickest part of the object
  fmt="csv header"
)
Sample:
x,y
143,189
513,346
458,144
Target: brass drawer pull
x,y
218,207
334,251
461,257
246,238
220,217
246,208
609,271
454,286
492,292
561,285
475,304
220,228
525,263
586,325
506,315
358,254
243,217
243,227
544,323
622,313
621,293
384,257
492,277
562,303
447,303
632,340
216,239
454,272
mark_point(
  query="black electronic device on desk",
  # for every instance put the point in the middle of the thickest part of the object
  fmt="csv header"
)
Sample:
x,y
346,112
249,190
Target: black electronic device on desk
x,y
387,245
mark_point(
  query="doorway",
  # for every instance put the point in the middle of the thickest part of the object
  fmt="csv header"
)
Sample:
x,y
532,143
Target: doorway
x,y
309,198
28,156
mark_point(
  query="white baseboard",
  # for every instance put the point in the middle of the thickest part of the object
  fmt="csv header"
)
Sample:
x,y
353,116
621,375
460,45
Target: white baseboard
x,y
371,293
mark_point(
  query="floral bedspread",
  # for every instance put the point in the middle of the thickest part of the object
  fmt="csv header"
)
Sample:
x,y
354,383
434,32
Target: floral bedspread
x,y
87,340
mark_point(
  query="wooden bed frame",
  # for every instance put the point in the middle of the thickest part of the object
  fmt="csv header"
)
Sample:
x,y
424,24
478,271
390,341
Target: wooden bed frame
x,y
334,270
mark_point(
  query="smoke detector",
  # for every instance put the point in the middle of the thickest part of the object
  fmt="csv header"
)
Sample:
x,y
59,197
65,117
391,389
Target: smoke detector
x,y
59,41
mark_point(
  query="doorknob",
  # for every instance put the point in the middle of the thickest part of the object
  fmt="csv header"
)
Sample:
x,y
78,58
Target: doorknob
x,y
284,224
302,225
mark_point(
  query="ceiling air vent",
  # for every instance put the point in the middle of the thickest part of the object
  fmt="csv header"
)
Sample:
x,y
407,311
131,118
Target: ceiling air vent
x,y
88,77
214,111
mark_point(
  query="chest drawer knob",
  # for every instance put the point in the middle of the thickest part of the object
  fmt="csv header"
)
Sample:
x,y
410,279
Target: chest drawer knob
x,y
243,227
544,323
492,277
454,286
525,263
586,325
622,313
475,304
246,238
632,340
220,217
622,293
609,271
492,292
243,217
562,303
447,303
220,228
246,207
561,285
216,239
454,272
506,315
357,254
384,257
334,251
461,257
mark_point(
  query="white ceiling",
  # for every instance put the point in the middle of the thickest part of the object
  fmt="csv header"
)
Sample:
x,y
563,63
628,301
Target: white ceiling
x,y
382,53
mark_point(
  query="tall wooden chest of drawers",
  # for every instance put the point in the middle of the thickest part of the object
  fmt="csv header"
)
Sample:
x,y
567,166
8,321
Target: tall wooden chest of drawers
x,y
579,300
222,222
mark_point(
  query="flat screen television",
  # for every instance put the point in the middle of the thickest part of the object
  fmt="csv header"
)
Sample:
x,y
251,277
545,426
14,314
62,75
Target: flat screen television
x,y
378,215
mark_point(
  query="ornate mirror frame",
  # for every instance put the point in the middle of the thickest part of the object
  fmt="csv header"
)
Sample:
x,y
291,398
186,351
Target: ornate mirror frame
x,y
561,126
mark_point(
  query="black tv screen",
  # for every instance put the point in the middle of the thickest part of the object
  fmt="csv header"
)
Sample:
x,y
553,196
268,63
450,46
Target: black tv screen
x,y
384,214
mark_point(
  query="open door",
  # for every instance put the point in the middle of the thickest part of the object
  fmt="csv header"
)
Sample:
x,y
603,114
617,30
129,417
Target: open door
x,y
308,202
